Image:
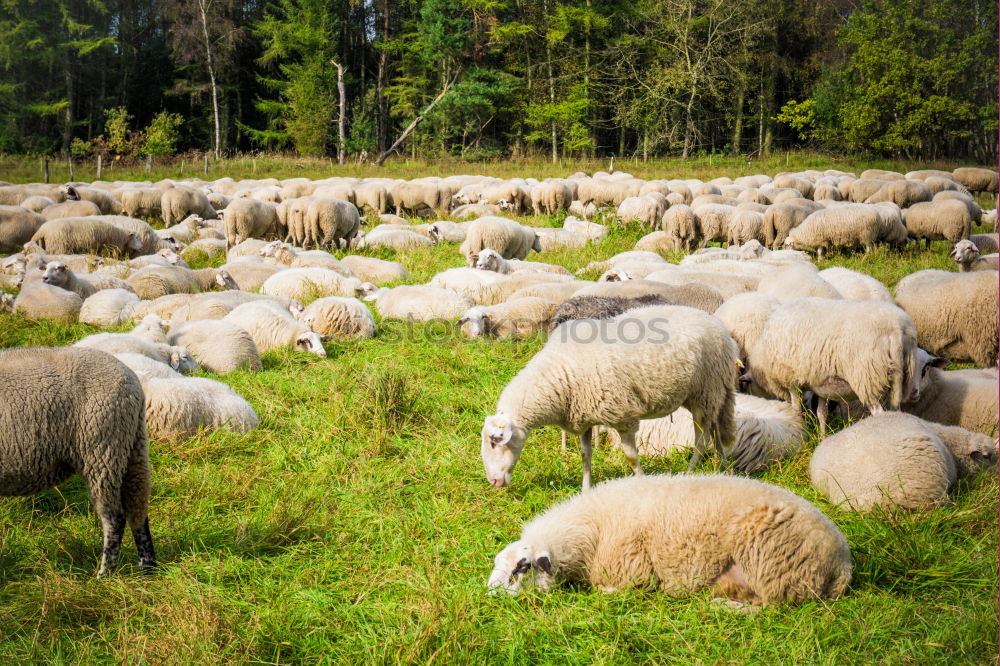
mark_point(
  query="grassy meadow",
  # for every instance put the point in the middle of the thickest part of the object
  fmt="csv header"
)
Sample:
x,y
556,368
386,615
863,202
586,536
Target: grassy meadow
x,y
356,525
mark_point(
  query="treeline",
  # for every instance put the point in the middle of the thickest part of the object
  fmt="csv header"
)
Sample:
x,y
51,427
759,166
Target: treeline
x,y
905,78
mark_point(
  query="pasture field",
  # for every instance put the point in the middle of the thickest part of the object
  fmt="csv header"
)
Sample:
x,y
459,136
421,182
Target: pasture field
x,y
356,524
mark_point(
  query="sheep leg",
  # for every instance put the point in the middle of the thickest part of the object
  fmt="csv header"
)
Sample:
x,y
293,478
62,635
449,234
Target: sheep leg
x,y
562,434
144,545
113,525
822,411
585,452
631,452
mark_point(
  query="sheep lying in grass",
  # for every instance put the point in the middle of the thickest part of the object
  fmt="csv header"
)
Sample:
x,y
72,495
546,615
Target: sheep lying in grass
x,y
516,318
680,357
490,260
966,255
272,326
38,300
306,283
966,398
339,318
766,430
897,460
155,281
416,302
219,346
70,410
743,539
108,308
145,366
377,271
179,407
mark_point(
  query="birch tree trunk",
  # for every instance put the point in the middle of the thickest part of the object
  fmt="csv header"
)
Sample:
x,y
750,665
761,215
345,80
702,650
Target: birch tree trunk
x,y
203,6
343,113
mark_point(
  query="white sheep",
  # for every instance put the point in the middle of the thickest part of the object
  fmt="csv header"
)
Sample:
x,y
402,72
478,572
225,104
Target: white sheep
x,y
339,318
271,326
796,281
108,308
396,239
378,271
517,318
37,300
854,285
178,407
744,316
948,220
149,367
219,346
305,283
766,430
587,375
966,398
955,313
416,302
746,540
895,460
840,349
507,237
490,260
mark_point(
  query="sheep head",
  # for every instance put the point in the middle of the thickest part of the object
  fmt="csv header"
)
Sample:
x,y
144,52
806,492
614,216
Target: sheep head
x,y
488,259
225,280
310,342
182,361
502,442
517,562
55,273
366,291
474,322
6,302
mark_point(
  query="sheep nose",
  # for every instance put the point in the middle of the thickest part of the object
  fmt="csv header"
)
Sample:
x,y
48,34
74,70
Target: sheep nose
x,y
498,483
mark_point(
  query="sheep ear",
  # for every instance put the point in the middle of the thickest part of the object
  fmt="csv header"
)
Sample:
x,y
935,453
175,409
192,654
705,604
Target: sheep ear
x,y
175,360
463,321
474,258
939,362
544,564
61,269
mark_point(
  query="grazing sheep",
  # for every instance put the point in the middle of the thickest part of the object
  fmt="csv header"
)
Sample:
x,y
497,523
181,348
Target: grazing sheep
x,y
743,539
36,204
744,226
744,316
840,350
985,243
17,227
308,283
179,202
796,281
151,242
766,431
579,379
374,196
976,180
142,201
781,219
377,271
416,302
108,308
249,218
219,346
416,194
339,318
646,209
330,221
848,226
155,281
38,300
855,285
85,235
895,460
517,318
507,237
938,220
713,222
272,326
955,313
966,398
681,226
551,197
178,407
904,193
966,255
69,410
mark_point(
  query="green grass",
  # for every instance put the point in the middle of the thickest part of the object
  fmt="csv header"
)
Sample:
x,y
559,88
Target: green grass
x,y
356,525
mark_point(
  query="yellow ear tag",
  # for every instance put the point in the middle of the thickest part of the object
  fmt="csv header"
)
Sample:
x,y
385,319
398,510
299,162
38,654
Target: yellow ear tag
x,y
501,425
739,364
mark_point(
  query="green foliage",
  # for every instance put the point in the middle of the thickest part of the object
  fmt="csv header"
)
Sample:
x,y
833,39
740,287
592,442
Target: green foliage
x,y
118,136
915,81
801,116
79,147
161,136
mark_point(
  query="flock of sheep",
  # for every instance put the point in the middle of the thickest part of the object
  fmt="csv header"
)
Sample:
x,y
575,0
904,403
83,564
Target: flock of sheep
x,y
721,352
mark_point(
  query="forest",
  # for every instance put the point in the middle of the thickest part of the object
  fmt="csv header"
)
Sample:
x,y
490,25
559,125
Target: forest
x,y
903,79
